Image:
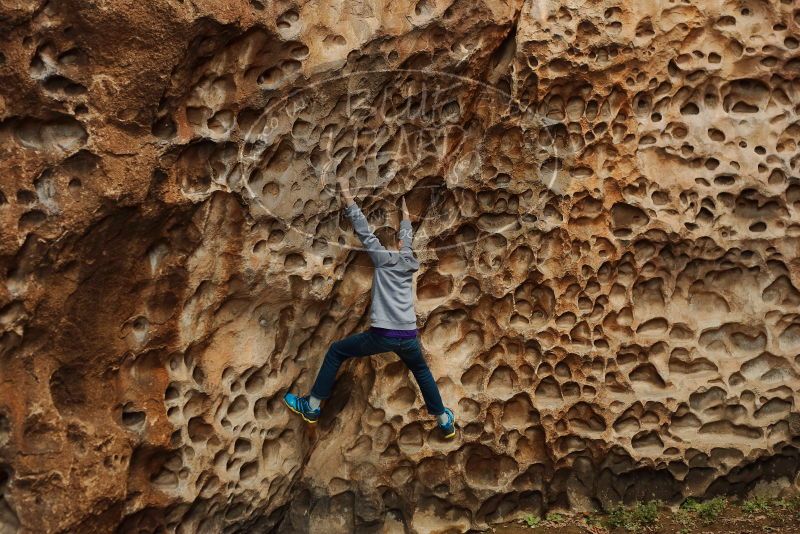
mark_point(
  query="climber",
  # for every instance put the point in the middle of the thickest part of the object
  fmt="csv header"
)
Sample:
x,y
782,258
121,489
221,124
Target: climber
x,y
393,321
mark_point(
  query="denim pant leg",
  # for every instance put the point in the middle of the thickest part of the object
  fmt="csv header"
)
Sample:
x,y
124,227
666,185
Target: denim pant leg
x,y
410,352
358,345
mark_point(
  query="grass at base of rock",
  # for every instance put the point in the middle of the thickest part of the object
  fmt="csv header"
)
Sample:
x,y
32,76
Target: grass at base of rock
x,y
533,521
705,512
634,518
765,505
719,515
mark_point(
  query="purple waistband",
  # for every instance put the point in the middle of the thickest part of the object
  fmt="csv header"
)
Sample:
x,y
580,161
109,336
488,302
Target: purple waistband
x,y
400,334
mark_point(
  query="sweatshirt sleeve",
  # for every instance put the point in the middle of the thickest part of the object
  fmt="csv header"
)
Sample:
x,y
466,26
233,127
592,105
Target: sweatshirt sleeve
x,y
406,235
376,251
406,252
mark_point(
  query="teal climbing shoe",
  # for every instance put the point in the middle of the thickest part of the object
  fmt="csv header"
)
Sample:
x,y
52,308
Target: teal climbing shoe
x,y
300,406
449,428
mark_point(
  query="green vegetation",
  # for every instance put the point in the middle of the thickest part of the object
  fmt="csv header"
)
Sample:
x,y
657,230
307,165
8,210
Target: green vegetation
x,y
757,505
693,516
634,518
773,508
706,511
594,520
792,504
532,521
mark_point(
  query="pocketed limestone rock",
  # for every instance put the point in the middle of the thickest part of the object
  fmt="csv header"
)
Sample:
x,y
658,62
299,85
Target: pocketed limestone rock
x,y
607,203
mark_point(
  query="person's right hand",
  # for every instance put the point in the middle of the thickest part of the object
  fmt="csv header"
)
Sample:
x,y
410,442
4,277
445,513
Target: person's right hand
x,y
406,214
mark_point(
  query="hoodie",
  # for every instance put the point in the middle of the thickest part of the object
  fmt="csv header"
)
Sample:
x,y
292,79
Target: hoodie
x,y
393,285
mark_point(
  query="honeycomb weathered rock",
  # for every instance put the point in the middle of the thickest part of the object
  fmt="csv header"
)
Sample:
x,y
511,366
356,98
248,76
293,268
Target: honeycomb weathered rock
x,y
610,222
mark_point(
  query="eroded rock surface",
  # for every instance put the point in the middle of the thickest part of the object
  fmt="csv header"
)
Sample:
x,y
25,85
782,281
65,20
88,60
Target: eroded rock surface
x,y
609,203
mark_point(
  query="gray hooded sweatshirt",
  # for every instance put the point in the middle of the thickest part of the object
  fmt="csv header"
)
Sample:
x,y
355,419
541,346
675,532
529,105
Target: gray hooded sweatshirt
x,y
392,287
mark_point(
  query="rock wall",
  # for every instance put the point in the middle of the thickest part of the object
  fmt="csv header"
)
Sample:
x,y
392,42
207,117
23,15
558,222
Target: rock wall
x,y
608,209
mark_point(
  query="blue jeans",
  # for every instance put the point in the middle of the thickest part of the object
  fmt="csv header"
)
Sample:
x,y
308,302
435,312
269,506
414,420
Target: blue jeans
x,y
369,343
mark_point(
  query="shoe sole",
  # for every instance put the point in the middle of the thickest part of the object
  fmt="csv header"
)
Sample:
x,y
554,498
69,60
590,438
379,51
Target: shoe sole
x,y
450,436
306,419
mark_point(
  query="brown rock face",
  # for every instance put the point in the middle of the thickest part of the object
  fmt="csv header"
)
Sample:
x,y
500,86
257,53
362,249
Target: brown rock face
x,y
608,203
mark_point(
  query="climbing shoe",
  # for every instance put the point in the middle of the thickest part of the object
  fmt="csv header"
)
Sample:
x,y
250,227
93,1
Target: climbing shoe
x,y
299,405
449,428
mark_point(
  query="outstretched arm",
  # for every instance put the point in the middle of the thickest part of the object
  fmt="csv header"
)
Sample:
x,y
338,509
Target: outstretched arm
x,y
376,251
406,236
406,231
344,188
